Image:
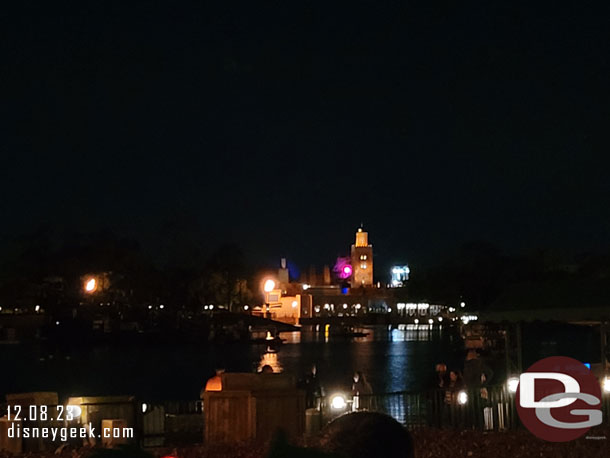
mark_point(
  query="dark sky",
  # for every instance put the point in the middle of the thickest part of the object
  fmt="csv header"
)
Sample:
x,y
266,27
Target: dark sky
x,y
283,125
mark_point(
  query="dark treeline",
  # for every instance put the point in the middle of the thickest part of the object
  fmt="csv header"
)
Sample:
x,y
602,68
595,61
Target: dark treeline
x,y
480,273
42,269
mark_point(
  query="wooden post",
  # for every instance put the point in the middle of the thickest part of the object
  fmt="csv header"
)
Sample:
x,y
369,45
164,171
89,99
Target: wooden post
x,y
519,349
507,353
603,340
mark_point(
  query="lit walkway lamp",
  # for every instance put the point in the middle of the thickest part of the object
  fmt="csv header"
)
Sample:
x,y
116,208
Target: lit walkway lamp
x,y
268,286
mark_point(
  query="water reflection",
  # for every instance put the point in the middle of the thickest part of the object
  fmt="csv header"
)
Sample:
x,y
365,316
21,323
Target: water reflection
x,y
402,333
413,332
291,337
270,358
392,359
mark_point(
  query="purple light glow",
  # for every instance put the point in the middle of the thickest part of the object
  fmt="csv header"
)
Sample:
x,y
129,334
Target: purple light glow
x,y
343,268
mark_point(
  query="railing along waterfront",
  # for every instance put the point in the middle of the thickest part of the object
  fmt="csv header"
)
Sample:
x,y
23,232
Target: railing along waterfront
x,y
490,408
171,422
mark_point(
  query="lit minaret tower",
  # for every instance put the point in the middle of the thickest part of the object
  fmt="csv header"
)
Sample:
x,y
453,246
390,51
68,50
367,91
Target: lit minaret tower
x,y
362,260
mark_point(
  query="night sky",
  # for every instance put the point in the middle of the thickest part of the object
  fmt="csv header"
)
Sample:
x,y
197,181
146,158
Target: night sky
x,y
284,125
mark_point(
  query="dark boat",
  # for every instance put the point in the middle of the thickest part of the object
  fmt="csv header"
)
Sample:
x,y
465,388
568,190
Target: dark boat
x,y
269,339
272,341
348,332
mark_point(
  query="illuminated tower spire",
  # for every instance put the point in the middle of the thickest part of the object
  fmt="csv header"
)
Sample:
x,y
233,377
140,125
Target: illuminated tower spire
x,y
362,260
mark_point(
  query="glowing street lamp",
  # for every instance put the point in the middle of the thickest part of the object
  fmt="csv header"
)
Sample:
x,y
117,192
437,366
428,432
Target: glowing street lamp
x,y
338,402
606,385
462,398
512,384
269,285
90,285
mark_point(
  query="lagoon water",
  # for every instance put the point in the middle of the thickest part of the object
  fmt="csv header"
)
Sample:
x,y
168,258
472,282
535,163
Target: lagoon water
x,y
392,359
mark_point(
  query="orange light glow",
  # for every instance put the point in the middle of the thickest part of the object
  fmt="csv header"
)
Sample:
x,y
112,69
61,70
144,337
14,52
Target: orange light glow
x,y
269,286
91,285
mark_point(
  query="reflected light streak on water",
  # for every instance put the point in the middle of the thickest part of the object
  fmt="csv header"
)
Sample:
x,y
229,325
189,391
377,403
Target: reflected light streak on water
x,y
270,359
392,360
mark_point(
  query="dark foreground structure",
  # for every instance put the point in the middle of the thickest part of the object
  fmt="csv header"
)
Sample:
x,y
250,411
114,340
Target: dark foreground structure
x,y
428,443
366,434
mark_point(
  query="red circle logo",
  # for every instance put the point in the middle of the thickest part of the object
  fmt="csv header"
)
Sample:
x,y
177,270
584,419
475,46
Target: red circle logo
x,y
559,399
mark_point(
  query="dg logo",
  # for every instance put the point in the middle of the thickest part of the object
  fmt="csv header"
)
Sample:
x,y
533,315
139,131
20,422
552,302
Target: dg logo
x,y
559,399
